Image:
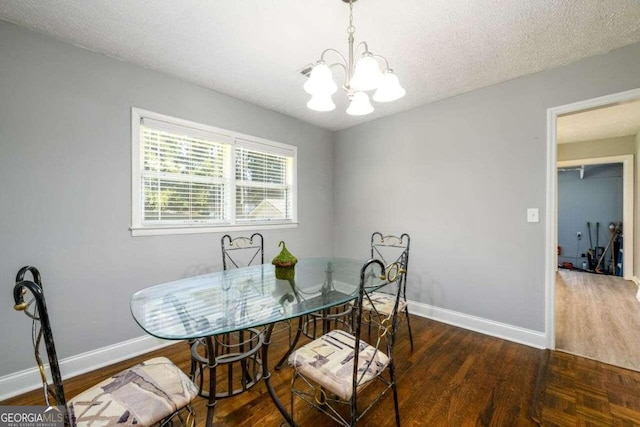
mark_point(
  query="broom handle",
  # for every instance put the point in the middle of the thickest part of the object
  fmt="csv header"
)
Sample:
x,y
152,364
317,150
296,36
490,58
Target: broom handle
x,y
605,252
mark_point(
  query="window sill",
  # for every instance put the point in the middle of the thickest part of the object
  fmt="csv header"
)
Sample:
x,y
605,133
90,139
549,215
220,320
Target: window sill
x,y
167,230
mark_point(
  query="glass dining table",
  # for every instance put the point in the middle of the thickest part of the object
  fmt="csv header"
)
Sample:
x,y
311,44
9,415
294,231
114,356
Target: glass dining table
x,y
202,309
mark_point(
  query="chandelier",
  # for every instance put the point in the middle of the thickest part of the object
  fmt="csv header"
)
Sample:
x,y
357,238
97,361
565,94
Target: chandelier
x,y
363,76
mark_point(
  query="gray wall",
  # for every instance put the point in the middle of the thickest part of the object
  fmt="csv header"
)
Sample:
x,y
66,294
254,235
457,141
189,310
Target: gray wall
x,y
597,148
596,198
458,175
65,166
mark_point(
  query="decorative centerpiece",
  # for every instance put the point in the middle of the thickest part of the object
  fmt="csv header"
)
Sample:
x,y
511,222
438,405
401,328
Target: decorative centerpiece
x,y
285,264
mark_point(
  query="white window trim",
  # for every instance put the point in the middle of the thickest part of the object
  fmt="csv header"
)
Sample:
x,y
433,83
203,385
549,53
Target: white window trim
x,y
237,139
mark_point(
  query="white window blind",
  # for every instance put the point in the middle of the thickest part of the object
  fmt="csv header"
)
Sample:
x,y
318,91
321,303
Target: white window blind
x,y
263,186
183,178
188,175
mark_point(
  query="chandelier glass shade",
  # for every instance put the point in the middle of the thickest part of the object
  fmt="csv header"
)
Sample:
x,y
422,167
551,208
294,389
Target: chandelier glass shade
x,y
359,105
367,74
389,88
320,81
360,77
321,103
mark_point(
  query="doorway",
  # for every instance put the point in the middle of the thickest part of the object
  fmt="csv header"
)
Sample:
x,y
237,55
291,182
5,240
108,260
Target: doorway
x,y
597,315
590,216
553,116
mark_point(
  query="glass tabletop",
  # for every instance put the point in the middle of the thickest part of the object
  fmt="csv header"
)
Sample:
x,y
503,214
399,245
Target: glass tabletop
x,y
247,297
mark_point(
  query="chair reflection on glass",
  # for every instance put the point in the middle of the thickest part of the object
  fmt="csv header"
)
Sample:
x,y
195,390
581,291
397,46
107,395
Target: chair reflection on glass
x,y
390,249
155,392
331,372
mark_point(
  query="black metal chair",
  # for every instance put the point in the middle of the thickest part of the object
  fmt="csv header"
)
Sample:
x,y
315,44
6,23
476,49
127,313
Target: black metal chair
x,y
390,249
332,371
155,392
237,365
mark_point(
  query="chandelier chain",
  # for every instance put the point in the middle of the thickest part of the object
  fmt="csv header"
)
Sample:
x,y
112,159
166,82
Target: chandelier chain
x,y
351,29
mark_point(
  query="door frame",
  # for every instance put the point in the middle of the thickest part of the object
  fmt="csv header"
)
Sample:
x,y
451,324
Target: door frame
x,y
552,200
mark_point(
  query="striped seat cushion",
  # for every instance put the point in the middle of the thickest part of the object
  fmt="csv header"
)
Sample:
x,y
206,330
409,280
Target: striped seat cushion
x,y
328,361
383,302
141,395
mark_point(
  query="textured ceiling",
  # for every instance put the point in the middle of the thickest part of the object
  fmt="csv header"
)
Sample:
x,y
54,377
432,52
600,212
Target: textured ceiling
x,y
607,122
252,49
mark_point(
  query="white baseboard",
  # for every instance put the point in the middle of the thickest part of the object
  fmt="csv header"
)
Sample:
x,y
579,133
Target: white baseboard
x,y
29,379
637,282
478,324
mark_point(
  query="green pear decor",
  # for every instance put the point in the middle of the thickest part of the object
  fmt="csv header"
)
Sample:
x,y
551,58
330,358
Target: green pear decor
x,y
285,264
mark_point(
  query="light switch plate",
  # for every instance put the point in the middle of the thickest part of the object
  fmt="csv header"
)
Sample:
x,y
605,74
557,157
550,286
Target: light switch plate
x,y
533,215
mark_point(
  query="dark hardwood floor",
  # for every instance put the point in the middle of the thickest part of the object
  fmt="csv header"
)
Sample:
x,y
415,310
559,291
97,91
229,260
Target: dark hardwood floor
x,y
454,377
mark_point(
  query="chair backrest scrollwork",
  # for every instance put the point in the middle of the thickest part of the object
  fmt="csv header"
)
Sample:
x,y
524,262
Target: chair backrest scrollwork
x,y
242,251
390,249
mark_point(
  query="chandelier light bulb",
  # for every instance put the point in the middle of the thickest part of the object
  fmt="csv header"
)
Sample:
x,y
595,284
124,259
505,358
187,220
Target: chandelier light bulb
x,y
321,102
389,88
367,74
359,105
321,81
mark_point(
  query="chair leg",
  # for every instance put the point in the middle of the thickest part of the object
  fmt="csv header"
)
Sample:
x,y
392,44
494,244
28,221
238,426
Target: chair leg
x,y
211,406
293,381
192,369
187,421
392,376
283,360
354,412
406,313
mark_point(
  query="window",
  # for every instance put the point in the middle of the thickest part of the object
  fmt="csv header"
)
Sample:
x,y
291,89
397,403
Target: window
x,y
193,178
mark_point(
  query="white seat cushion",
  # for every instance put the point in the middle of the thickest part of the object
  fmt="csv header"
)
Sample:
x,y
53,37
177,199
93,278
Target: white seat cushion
x,y
383,302
328,361
141,395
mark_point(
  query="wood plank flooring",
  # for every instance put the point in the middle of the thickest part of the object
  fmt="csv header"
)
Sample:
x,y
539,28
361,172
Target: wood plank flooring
x,y
598,317
454,377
